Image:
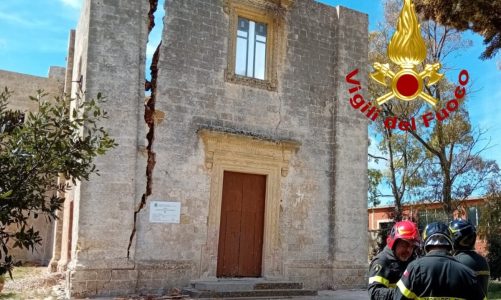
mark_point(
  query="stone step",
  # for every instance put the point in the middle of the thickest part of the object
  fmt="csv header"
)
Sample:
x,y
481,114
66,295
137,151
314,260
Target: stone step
x,y
245,285
224,286
259,298
278,286
195,293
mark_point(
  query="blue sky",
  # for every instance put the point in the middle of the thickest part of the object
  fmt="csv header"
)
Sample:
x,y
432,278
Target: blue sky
x,y
34,36
34,33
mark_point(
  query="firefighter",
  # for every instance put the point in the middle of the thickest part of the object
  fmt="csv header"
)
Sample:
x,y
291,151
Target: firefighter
x,y
465,235
387,267
437,275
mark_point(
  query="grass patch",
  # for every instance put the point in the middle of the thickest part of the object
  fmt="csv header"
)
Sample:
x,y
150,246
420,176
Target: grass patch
x,y
20,273
494,290
10,296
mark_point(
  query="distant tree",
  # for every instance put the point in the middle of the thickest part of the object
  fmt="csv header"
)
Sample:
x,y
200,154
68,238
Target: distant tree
x,y
61,139
381,236
400,152
489,227
456,168
494,256
375,177
480,16
490,212
450,166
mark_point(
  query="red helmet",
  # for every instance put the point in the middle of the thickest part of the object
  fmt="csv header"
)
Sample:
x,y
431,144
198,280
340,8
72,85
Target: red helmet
x,y
405,230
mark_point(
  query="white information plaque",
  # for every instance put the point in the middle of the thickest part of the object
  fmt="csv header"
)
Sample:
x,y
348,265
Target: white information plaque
x,y
165,212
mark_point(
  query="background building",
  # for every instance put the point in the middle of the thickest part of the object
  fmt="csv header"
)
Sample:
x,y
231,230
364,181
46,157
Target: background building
x,y
381,218
23,86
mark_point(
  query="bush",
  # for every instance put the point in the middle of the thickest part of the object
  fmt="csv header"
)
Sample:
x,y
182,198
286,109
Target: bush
x,y
381,240
494,256
494,290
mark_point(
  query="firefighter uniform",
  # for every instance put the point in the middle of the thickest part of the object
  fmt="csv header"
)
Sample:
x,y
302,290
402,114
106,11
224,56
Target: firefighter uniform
x,y
464,234
438,275
478,264
384,272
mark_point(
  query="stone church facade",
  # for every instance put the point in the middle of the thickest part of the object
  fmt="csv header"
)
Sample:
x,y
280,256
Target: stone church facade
x,y
248,132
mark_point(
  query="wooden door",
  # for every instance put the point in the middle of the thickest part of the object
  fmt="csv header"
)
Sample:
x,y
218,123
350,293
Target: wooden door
x,y
242,222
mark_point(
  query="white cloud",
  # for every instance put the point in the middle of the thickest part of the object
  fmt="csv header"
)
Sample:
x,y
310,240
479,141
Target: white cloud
x,y
150,49
19,20
12,18
153,41
72,3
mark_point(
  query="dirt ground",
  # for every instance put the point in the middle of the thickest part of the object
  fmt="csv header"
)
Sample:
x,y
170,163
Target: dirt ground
x,y
36,283
32,282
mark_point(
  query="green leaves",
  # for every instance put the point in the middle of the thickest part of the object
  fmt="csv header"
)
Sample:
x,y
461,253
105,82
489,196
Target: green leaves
x,y
489,227
62,137
480,16
375,179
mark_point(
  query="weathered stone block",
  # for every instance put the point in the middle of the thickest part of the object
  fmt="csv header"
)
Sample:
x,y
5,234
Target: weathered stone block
x,y
124,275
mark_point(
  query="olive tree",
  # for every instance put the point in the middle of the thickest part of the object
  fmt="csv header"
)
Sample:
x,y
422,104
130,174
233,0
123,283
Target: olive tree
x,y
62,138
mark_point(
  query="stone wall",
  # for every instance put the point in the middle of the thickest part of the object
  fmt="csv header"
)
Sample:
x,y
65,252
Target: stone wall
x,y
23,86
321,234
43,252
110,49
350,171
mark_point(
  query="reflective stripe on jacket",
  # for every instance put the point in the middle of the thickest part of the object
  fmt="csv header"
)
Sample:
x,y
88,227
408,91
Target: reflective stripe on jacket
x,y
384,272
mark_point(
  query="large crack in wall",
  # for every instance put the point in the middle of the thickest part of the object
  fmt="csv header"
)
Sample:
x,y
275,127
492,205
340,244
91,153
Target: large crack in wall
x,y
149,118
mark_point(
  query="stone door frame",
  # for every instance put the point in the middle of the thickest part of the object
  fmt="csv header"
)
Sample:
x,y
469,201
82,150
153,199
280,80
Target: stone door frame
x,y
245,154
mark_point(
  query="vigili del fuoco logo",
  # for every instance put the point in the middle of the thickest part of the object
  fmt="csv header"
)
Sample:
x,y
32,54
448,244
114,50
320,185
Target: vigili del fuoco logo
x,y
406,49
